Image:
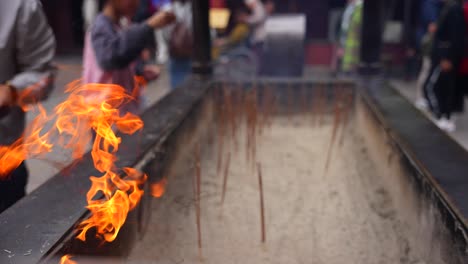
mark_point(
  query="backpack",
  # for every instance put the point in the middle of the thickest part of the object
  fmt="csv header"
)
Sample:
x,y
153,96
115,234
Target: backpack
x,y
181,41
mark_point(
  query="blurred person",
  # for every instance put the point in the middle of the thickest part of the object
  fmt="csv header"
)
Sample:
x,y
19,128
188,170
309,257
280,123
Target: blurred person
x,y
343,33
145,10
427,25
27,47
426,50
256,22
162,50
91,9
351,37
180,40
446,55
236,37
269,7
429,14
144,67
346,20
462,77
112,50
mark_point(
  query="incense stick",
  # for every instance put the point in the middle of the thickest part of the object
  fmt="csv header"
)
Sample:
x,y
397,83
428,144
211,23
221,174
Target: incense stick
x,y
225,178
336,125
262,208
197,190
347,110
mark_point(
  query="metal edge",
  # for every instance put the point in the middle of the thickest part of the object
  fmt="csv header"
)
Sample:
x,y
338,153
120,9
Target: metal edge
x,y
459,219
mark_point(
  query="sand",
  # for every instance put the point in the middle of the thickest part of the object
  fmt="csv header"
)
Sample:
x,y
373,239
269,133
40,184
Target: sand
x,y
344,215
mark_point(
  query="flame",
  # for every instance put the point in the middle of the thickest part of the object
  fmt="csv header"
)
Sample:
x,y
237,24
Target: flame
x,y
109,213
111,196
88,107
35,144
139,86
158,189
66,259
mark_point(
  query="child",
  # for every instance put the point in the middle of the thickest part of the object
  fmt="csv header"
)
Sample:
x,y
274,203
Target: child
x,y
111,51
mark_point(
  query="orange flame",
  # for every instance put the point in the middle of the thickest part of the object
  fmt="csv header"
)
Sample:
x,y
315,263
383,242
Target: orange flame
x,y
100,113
35,144
88,107
66,259
158,189
108,214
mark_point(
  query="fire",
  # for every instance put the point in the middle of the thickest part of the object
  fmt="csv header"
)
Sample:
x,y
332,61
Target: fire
x,y
158,189
111,196
35,144
66,259
89,107
109,213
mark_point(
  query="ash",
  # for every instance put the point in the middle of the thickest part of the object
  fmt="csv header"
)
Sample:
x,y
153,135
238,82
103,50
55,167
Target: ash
x,y
312,215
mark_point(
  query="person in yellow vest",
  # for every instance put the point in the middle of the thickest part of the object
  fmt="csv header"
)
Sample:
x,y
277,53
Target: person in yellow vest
x,y
238,35
352,38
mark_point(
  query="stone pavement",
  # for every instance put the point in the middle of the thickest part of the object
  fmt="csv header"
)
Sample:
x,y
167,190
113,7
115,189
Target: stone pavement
x,y
408,90
40,170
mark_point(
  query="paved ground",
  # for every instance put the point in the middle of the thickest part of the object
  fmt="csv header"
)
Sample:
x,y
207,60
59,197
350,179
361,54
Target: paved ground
x,y
408,89
70,69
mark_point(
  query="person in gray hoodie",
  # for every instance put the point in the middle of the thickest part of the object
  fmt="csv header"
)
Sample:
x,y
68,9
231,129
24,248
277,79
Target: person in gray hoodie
x,y
27,47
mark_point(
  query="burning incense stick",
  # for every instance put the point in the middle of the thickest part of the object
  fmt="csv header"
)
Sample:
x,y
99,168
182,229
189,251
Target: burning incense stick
x,y
318,102
336,125
220,132
303,99
268,105
251,119
262,208
322,103
346,115
235,118
291,103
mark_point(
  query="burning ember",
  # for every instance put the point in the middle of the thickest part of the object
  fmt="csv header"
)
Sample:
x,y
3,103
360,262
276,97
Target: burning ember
x,y
66,259
158,189
90,107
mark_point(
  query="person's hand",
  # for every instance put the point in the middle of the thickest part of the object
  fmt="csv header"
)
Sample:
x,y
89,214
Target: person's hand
x,y
242,17
446,65
161,19
151,72
146,55
219,42
6,96
432,28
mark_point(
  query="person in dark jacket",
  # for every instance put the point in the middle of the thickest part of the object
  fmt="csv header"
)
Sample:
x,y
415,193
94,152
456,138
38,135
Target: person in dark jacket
x,y
430,10
27,47
462,78
447,51
427,25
